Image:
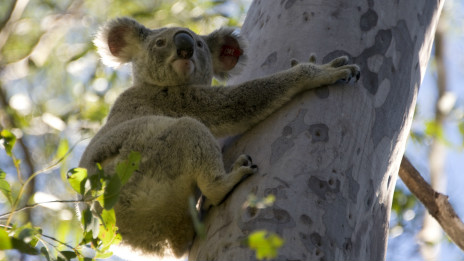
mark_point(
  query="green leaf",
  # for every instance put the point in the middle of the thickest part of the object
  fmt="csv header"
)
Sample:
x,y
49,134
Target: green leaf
x,y
5,187
255,202
5,242
61,154
97,182
199,226
126,168
27,234
111,195
23,247
108,230
8,140
265,244
461,130
77,178
66,255
62,149
87,219
44,252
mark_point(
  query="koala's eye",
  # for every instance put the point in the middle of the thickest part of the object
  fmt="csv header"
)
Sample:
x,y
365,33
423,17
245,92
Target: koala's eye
x,y
200,44
160,42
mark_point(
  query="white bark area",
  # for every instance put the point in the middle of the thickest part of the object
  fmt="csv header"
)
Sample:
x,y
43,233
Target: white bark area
x,y
331,156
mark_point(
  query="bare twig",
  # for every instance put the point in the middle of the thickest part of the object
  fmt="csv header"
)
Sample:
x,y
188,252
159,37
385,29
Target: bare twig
x,y
31,178
45,242
59,242
436,203
41,203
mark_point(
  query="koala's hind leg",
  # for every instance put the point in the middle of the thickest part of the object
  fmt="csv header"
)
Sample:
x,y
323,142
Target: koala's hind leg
x,y
199,154
216,185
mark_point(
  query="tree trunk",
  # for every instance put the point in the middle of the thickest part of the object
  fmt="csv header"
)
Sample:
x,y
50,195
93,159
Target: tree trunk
x,y
331,156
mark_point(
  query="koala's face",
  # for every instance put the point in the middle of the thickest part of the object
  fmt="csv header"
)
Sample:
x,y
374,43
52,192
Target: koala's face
x,y
173,56
169,56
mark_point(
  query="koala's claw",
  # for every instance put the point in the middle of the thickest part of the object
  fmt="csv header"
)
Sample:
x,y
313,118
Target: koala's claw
x,y
339,61
354,72
294,62
250,160
312,58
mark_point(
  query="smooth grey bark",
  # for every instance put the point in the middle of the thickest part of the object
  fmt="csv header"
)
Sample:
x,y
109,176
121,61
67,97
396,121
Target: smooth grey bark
x,y
331,156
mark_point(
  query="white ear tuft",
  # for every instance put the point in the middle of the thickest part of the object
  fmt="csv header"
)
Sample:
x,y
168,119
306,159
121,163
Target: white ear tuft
x,y
119,40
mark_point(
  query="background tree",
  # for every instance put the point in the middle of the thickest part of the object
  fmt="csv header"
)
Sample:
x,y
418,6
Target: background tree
x,y
330,157
431,232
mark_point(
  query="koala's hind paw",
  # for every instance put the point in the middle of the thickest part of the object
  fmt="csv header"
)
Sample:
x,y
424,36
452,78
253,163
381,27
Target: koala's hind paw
x,y
244,164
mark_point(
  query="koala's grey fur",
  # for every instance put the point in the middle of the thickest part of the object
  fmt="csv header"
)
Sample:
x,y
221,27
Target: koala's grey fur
x,y
172,116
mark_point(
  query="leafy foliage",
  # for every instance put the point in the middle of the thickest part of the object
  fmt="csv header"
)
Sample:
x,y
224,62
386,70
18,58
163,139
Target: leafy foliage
x,y
265,244
100,230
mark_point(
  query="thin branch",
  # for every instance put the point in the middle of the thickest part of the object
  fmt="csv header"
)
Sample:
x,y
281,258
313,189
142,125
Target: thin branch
x,y
436,203
31,178
59,242
45,242
41,203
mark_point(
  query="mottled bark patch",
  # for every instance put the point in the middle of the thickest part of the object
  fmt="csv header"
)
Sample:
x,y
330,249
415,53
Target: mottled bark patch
x,y
368,20
319,133
286,141
270,59
322,188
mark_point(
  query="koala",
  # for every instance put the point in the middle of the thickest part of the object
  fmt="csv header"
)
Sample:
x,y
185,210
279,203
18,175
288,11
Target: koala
x,y
173,116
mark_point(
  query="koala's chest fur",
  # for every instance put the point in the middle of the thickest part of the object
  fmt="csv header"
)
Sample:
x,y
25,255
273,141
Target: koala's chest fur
x,y
149,100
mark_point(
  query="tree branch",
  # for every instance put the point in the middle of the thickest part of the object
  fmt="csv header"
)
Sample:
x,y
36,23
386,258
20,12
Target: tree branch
x,y
436,203
41,203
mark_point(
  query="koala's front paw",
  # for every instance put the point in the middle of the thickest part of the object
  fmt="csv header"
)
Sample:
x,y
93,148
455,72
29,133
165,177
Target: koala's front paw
x,y
350,70
329,73
244,164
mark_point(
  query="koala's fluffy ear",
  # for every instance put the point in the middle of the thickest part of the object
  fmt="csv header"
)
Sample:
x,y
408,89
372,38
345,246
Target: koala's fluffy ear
x,y
227,50
119,40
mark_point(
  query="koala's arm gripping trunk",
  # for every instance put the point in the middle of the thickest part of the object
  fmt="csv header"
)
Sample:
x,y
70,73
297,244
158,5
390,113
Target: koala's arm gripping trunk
x,y
242,106
237,108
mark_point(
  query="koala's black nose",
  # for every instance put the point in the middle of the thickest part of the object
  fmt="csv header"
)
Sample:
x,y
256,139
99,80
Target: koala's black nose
x,y
184,44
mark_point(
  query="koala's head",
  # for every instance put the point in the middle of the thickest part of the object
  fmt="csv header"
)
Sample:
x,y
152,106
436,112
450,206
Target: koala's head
x,y
169,56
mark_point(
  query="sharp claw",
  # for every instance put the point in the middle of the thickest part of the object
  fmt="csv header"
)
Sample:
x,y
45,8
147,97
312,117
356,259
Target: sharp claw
x,y
312,58
294,62
249,158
